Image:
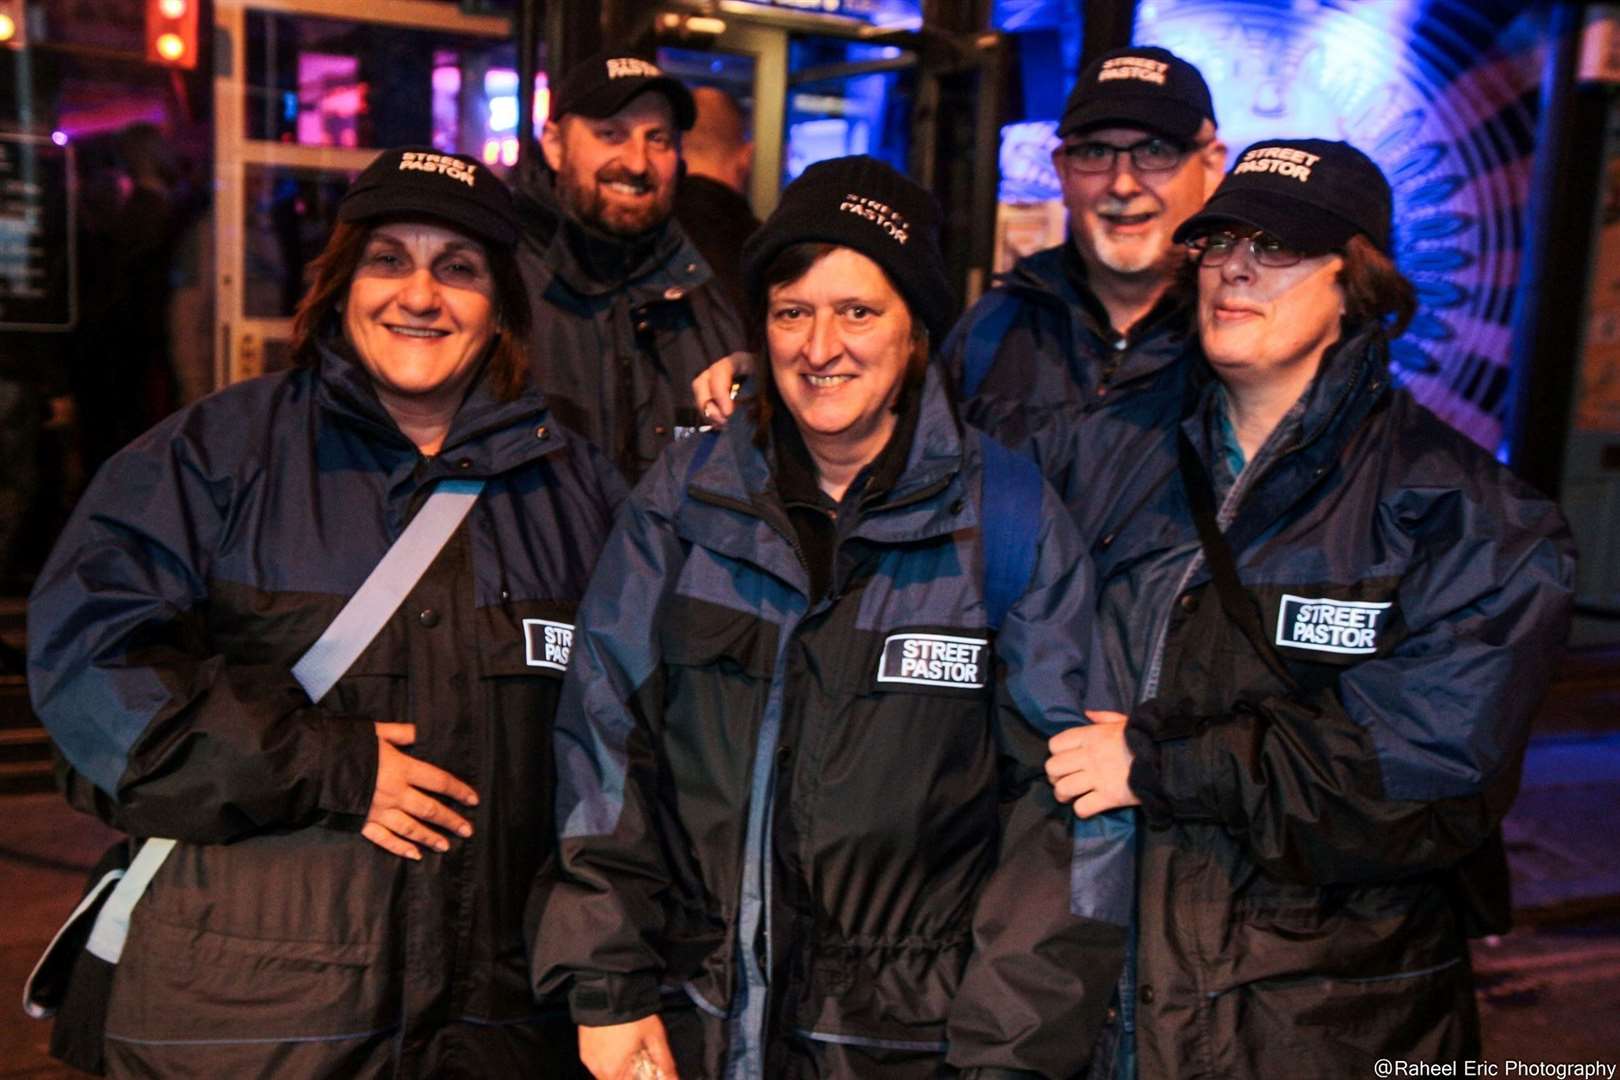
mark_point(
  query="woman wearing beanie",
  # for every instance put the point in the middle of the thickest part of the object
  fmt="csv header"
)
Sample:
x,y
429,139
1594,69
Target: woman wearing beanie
x,y
1330,620
805,831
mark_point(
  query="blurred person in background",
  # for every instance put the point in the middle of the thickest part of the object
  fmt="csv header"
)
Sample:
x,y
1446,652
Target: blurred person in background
x,y
711,202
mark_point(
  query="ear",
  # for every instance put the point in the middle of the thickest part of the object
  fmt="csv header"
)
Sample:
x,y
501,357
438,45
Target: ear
x,y
551,143
1214,161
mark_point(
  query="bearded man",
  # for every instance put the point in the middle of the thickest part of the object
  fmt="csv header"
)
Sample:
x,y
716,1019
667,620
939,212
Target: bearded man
x,y
626,310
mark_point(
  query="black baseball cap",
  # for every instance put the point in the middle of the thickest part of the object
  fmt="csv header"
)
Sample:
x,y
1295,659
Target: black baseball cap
x,y
1148,88
604,84
420,181
1312,194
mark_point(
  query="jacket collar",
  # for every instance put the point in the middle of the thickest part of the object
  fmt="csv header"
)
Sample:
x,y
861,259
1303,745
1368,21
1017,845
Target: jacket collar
x,y
487,436
734,508
1057,278
1352,381
662,263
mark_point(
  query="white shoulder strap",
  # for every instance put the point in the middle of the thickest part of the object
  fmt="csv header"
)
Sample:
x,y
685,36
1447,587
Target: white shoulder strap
x,y
318,670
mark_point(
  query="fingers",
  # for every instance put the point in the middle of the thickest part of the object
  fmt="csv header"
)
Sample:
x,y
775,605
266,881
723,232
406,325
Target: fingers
x,y
426,808
420,774
1105,716
389,842
1072,738
1073,786
396,734
656,1043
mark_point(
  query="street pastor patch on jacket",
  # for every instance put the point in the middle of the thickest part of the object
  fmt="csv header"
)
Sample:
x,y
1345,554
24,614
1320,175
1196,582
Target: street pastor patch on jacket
x,y
1342,627
547,644
944,660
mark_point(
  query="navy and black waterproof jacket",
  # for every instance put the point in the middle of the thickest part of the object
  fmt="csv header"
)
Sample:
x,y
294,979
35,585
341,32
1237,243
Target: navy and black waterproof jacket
x,y
621,327
920,892
1320,844
1036,359
203,561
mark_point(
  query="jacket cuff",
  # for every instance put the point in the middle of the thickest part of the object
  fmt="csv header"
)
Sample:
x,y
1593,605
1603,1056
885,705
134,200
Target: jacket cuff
x,y
600,1000
1168,771
348,763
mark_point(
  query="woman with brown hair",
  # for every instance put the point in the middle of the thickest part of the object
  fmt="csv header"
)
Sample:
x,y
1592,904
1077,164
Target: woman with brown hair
x,y
1330,622
347,894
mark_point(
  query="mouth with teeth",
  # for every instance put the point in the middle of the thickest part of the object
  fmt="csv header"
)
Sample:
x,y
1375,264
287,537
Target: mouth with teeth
x,y
419,332
631,187
1125,221
827,382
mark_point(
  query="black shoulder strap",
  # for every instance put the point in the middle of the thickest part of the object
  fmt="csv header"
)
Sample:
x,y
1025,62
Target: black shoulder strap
x,y
1235,601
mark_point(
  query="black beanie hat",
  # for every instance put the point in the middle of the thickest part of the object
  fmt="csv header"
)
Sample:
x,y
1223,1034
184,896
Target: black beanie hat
x,y
863,204
1312,194
419,180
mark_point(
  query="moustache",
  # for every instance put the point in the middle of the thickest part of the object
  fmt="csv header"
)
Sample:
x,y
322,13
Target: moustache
x,y
642,182
1118,207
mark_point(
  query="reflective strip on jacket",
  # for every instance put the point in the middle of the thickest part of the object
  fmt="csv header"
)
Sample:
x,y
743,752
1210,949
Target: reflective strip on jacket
x,y
946,903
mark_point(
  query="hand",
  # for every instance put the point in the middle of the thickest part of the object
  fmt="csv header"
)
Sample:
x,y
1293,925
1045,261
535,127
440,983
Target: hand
x,y
714,391
400,804
1091,765
618,1051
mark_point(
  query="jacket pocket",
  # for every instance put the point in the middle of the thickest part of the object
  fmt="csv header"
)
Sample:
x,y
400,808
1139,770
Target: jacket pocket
x,y
191,985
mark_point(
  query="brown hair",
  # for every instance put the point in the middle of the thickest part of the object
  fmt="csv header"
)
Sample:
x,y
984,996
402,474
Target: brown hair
x,y
789,265
331,271
1373,288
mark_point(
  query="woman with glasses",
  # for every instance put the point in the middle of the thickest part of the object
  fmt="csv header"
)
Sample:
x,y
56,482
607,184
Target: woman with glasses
x,y
1330,621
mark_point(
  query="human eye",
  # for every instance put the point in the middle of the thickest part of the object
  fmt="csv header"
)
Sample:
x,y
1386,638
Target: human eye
x,y
1156,154
1220,243
859,313
1089,152
608,133
461,270
383,259
1268,244
661,139
787,313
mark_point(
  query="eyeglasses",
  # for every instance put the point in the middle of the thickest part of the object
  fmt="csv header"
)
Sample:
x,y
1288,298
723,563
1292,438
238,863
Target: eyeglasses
x,y
1213,249
1149,155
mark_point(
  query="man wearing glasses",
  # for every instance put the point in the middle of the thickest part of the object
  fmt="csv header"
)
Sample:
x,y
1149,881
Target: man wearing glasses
x,y
1095,327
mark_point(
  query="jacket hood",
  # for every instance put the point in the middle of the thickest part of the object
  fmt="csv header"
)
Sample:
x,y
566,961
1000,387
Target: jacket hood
x,y
487,435
925,500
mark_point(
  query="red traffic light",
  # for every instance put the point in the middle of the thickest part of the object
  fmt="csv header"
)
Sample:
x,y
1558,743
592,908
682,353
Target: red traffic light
x,y
13,24
171,32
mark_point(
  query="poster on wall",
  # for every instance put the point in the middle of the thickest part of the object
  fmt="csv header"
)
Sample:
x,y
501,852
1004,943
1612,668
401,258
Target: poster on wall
x,y
1597,400
36,234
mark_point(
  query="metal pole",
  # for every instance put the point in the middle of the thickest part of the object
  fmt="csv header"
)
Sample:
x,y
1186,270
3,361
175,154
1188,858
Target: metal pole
x,y
528,43
1563,188
1105,25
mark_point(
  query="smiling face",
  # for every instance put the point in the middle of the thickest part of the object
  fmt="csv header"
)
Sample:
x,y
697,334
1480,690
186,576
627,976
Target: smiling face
x,y
617,173
1269,325
840,339
420,311
1122,219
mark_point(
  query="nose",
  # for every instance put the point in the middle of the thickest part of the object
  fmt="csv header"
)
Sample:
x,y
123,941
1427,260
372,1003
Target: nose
x,y
633,155
824,345
1122,181
419,292
1240,265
